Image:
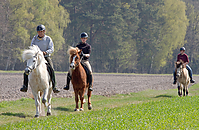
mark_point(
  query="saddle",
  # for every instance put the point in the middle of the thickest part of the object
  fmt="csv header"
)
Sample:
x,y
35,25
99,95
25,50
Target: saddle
x,y
87,72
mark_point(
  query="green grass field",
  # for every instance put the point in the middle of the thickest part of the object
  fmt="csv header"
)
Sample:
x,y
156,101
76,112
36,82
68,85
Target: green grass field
x,y
151,109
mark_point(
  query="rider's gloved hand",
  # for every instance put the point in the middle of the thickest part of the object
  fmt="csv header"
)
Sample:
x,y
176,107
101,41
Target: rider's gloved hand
x,y
81,54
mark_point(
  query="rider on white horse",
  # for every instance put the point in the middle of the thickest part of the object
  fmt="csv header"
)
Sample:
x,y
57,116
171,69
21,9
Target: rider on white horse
x,y
182,56
45,44
86,49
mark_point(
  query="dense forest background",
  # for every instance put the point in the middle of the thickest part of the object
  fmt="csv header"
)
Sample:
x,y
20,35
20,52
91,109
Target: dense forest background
x,y
127,36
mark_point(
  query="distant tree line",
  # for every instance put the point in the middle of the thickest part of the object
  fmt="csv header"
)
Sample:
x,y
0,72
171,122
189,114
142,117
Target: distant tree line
x,y
127,36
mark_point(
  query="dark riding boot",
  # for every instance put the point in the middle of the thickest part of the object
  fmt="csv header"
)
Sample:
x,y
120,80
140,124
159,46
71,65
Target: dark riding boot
x,y
192,81
55,90
52,75
68,82
25,84
190,73
90,81
174,82
174,76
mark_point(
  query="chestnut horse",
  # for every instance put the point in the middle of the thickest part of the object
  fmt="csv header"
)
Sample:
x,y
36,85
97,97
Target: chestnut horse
x,y
78,78
182,78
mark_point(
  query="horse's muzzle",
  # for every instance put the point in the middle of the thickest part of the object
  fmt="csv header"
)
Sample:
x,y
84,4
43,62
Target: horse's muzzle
x,y
72,66
27,71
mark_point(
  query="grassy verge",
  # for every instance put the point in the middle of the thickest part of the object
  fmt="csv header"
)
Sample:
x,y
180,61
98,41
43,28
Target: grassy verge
x,y
151,109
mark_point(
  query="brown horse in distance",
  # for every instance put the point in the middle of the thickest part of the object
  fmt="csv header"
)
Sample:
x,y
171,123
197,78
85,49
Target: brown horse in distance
x,y
78,78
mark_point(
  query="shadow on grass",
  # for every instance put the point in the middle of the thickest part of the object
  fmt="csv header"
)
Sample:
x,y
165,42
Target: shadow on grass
x,y
20,115
163,96
64,109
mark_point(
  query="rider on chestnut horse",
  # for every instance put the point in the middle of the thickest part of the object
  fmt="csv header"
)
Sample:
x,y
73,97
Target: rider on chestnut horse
x,y
86,49
182,56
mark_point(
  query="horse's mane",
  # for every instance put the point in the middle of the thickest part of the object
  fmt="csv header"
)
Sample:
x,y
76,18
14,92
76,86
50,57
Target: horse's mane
x,y
178,65
72,50
29,53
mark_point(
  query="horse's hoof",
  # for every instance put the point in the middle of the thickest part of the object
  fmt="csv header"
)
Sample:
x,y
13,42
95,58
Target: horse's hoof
x,y
36,116
76,109
44,101
89,107
48,113
81,109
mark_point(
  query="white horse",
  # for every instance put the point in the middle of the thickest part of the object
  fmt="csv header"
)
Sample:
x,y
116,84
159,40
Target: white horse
x,y
182,78
39,78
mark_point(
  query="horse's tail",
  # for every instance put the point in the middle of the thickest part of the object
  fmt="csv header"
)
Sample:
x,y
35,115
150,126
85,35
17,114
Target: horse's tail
x,y
31,95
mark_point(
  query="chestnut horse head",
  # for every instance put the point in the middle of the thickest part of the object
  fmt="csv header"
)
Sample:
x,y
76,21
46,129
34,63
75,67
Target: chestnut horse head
x,y
74,59
78,78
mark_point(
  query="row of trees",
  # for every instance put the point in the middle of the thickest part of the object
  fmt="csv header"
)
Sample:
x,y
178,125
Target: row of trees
x,y
141,36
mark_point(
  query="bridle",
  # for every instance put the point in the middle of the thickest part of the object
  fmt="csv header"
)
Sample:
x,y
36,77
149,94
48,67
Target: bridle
x,y
34,63
72,64
179,66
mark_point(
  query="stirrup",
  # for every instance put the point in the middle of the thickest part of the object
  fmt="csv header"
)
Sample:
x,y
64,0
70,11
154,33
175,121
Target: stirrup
x,y
90,88
67,87
24,89
192,81
55,90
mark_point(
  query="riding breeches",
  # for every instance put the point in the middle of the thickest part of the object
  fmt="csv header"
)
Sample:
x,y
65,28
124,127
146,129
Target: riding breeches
x,y
189,70
48,59
87,64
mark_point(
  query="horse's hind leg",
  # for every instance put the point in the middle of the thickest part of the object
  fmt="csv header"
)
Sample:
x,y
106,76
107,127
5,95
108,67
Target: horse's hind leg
x,y
184,90
187,91
44,100
89,100
49,102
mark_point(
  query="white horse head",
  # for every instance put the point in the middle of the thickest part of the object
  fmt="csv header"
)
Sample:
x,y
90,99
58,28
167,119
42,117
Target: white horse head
x,y
34,57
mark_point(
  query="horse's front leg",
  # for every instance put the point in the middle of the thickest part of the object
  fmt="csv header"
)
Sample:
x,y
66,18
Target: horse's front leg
x,y
76,101
39,101
179,90
37,104
49,102
82,99
44,100
89,100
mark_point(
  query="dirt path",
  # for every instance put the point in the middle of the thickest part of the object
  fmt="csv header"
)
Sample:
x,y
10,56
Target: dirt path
x,y
104,84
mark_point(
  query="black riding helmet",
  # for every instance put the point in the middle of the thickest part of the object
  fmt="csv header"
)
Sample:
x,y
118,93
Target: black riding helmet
x,y
41,27
182,49
84,35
